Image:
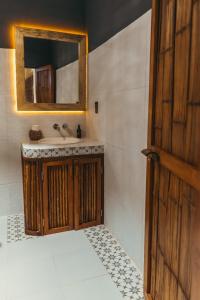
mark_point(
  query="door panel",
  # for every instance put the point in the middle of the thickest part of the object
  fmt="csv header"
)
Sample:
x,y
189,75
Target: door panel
x,y
88,192
45,84
172,234
58,196
172,244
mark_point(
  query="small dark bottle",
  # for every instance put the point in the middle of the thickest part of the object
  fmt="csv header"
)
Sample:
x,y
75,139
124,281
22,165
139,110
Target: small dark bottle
x,y
78,132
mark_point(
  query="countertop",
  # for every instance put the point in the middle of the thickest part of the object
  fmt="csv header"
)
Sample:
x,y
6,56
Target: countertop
x,y
84,147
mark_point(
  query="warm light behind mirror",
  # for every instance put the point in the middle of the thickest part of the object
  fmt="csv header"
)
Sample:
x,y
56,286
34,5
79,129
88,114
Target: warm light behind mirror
x,y
51,70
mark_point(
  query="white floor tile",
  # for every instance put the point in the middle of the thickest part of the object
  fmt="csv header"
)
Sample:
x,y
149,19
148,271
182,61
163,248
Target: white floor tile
x,y
67,242
3,287
3,247
78,265
48,246
50,294
67,266
26,278
27,251
100,288
3,230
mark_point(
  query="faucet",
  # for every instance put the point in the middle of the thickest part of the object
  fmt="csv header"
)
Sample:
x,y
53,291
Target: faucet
x,y
67,129
64,127
57,127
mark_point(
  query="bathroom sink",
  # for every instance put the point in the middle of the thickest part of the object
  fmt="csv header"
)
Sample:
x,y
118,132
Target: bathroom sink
x,y
59,141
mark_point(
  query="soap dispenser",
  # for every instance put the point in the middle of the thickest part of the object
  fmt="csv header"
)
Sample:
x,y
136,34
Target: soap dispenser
x,y
78,132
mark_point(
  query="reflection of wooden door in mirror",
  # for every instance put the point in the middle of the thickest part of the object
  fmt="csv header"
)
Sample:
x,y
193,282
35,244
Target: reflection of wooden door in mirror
x,y
45,84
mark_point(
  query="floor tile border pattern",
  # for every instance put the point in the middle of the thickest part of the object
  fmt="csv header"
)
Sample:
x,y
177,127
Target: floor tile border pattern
x,y
118,264
15,229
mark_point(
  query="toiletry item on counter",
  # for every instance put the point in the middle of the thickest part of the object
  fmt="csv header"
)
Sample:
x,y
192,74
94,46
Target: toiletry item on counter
x,y
35,127
35,134
79,134
96,105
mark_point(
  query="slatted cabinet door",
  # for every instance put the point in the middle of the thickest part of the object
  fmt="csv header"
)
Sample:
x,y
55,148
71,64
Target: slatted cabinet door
x,y
88,174
172,251
32,197
58,196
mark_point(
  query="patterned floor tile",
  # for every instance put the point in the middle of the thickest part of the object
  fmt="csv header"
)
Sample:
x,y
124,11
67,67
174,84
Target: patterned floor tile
x,y
15,229
117,263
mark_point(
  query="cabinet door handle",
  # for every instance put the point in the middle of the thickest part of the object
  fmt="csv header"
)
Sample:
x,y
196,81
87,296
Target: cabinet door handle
x,y
151,154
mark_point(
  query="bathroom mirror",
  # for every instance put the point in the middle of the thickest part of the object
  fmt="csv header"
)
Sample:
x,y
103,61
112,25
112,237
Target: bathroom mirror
x,y
51,70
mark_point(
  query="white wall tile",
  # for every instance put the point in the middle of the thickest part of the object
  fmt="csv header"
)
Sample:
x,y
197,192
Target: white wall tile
x,y
16,197
124,113
148,46
4,170
118,74
129,57
7,58
4,199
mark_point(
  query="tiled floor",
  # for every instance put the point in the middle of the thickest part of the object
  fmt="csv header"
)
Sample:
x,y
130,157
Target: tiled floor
x,y
76,265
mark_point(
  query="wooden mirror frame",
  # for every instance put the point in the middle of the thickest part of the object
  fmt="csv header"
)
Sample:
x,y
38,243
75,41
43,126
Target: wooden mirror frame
x,y
22,32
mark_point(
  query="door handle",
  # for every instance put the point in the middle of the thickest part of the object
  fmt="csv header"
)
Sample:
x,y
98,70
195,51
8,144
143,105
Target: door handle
x,y
151,154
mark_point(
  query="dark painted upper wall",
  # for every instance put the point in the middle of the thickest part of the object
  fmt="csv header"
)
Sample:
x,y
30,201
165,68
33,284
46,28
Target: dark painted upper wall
x,y
42,52
101,18
104,18
64,54
62,13
36,53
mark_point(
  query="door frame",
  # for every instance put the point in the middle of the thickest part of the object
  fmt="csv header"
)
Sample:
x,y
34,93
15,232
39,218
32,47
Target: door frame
x,y
150,163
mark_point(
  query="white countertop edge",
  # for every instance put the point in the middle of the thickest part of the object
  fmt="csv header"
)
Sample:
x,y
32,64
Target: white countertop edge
x,y
83,143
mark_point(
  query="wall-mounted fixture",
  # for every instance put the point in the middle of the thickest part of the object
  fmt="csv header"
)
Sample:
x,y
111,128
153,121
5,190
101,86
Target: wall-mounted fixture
x,y
51,69
96,106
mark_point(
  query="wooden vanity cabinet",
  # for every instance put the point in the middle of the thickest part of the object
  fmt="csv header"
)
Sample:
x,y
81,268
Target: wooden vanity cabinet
x,y
64,194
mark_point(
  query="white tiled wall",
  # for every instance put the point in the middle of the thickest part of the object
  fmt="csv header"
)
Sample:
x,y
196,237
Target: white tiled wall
x,y
118,79
14,129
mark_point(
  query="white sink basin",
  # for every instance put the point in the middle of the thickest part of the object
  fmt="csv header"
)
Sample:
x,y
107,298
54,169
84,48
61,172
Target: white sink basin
x,y
59,141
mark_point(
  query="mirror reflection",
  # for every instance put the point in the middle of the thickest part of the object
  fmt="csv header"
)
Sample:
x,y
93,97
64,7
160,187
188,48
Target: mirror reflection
x,y
51,71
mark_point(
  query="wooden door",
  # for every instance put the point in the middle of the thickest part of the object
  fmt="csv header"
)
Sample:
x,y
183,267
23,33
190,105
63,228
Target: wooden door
x,y
45,84
88,194
172,243
58,196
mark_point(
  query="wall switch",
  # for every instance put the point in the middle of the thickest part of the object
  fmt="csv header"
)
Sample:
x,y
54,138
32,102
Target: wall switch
x,y
96,104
